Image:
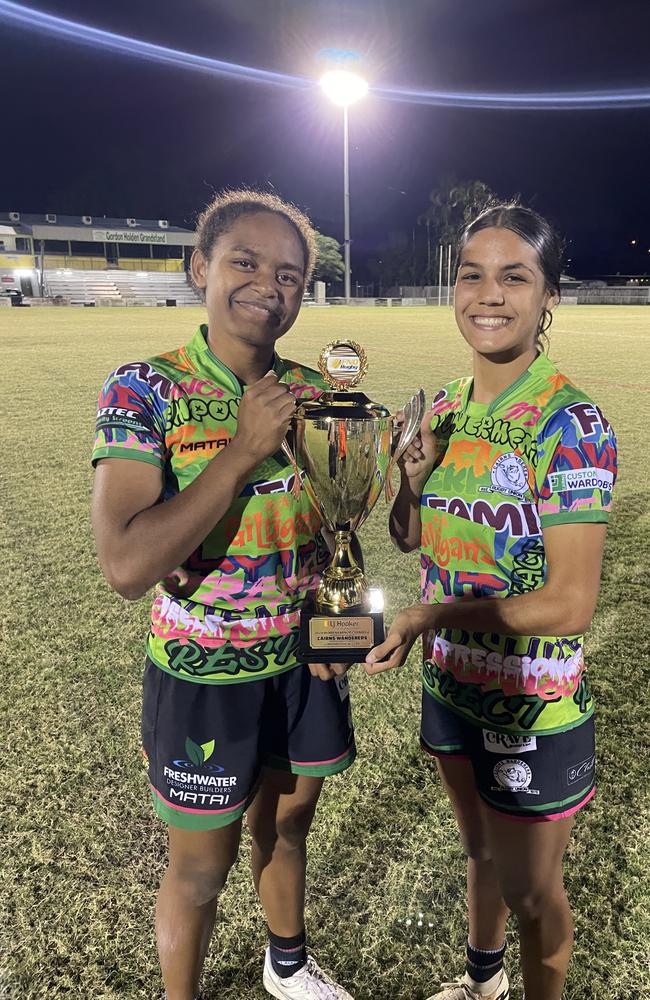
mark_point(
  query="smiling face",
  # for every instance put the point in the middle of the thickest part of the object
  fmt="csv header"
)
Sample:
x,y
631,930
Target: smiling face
x,y
500,294
253,280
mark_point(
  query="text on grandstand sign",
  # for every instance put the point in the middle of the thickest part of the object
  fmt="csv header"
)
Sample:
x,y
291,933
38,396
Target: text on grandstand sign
x,y
120,236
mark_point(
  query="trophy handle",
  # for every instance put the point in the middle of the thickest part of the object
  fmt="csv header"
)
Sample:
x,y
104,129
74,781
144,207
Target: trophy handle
x,y
413,417
297,482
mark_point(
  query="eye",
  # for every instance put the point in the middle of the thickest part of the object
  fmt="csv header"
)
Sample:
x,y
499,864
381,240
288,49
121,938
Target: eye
x,y
515,278
471,276
287,279
244,262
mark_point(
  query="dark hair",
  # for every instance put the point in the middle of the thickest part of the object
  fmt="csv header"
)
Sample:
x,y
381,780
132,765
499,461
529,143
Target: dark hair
x,y
536,231
228,206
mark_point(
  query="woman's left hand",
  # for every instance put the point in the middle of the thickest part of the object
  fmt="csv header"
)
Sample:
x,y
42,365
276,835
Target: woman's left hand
x,y
328,670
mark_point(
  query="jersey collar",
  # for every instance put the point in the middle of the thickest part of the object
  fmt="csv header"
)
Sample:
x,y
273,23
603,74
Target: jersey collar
x,y
538,371
210,364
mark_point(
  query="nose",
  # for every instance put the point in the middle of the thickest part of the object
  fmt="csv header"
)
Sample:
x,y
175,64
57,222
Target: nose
x,y
265,283
491,292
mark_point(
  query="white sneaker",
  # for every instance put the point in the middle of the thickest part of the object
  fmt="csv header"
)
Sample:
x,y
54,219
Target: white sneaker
x,y
308,983
460,990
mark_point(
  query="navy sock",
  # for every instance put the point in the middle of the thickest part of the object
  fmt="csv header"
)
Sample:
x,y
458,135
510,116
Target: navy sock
x,y
482,965
287,954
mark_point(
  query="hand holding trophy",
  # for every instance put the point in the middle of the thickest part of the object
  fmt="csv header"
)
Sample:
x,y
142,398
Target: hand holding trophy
x,y
344,446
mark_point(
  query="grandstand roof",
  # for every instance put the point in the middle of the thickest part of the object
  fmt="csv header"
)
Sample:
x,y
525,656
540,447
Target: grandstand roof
x,y
85,228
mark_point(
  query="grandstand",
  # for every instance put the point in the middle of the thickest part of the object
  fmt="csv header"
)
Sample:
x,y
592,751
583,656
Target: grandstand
x,y
148,288
79,260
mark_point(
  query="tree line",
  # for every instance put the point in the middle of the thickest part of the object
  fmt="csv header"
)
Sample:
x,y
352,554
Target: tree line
x,y
415,260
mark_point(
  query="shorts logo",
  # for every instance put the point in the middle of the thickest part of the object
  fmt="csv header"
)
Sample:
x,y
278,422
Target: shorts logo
x,y
581,770
199,753
342,686
515,775
508,743
509,476
197,783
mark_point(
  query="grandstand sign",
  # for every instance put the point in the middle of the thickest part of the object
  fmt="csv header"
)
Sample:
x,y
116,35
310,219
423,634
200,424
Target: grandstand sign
x,y
124,236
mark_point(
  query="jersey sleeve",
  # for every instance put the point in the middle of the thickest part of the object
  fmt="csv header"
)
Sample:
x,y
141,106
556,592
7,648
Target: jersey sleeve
x,y
131,417
577,466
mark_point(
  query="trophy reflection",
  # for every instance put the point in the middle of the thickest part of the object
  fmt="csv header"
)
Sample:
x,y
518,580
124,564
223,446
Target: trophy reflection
x,y
345,449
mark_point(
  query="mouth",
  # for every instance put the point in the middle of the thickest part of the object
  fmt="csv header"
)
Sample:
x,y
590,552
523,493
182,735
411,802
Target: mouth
x,y
258,309
490,322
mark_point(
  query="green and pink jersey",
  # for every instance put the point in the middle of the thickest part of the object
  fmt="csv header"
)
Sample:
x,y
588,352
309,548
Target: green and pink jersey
x,y
540,454
237,619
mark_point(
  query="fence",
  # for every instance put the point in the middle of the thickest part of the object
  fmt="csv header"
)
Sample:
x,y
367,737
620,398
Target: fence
x,y
624,296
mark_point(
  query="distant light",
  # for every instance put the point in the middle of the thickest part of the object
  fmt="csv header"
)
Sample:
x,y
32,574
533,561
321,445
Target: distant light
x,y
632,243
343,87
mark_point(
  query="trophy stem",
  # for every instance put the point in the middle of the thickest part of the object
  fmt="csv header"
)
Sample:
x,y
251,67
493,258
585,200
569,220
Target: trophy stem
x,y
343,584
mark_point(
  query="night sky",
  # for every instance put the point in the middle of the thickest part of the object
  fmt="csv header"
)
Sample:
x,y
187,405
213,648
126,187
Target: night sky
x,y
92,132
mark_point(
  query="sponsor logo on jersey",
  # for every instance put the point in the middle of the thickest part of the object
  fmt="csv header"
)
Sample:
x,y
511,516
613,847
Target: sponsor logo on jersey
x,y
509,476
508,742
120,417
579,771
217,444
117,411
581,479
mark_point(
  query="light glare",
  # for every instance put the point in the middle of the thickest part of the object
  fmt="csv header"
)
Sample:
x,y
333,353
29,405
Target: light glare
x,y
342,87
78,33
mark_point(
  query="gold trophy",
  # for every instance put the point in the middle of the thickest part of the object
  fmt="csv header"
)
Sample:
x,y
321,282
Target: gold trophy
x,y
344,449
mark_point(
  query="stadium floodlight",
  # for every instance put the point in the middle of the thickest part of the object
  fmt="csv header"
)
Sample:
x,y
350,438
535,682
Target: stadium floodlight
x,y
345,88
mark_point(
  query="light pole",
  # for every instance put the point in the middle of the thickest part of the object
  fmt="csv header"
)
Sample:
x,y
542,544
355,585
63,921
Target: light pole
x,y
344,88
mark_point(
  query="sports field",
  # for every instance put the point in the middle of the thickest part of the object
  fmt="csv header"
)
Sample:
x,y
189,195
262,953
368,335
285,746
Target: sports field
x,y
82,853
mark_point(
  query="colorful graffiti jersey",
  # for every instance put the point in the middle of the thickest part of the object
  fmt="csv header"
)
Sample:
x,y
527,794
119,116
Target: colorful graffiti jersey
x,y
237,618
540,454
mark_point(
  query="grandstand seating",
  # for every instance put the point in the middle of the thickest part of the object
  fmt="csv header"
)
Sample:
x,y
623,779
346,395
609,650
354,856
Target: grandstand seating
x,y
115,286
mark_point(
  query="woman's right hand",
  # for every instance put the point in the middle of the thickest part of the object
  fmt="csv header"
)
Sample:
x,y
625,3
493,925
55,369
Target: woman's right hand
x,y
418,460
264,417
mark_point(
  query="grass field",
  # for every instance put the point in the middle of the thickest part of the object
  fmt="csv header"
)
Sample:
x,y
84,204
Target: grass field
x,y
82,853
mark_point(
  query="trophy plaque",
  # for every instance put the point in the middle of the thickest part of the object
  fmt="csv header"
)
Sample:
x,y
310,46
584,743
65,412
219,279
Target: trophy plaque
x,y
345,446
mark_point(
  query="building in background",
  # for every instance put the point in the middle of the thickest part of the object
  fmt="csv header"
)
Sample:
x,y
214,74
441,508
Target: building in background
x,y
95,261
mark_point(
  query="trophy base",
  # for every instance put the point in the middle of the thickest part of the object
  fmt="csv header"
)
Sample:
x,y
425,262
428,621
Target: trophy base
x,y
346,637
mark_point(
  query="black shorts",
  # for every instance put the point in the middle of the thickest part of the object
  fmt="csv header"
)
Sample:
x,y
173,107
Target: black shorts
x,y
206,744
529,777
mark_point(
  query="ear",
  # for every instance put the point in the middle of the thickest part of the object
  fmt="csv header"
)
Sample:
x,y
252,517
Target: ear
x,y
199,269
552,301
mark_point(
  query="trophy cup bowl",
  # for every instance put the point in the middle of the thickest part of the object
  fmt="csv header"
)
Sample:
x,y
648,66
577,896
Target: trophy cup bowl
x,y
344,448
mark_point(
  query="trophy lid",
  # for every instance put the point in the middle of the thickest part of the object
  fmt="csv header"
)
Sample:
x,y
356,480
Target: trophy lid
x,y
343,364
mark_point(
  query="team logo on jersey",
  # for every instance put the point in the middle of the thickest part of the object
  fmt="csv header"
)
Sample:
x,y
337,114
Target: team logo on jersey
x,y
509,476
514,775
